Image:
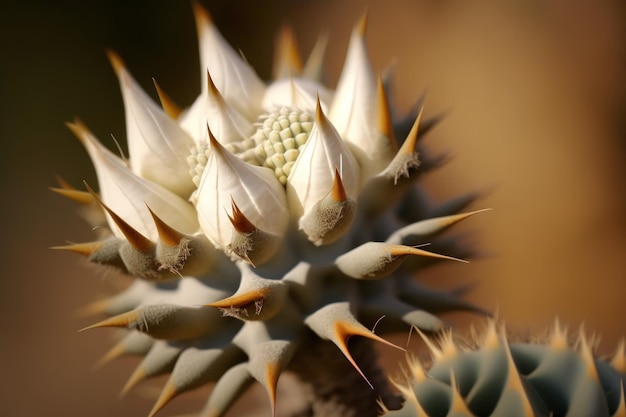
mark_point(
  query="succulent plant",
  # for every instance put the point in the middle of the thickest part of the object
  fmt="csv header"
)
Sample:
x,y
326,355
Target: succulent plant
x,y
266,223
502,378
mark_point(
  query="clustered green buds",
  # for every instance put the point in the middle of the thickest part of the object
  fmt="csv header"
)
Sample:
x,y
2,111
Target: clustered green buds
x,y
499,378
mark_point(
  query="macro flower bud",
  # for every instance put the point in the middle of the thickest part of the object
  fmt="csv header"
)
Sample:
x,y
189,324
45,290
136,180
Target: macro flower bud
x,y
255,191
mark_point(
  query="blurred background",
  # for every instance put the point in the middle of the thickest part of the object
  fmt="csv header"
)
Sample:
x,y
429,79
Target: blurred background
x,y
535,97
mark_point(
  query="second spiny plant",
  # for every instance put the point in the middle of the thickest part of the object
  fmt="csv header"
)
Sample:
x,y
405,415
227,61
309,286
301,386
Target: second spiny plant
x,y
265,226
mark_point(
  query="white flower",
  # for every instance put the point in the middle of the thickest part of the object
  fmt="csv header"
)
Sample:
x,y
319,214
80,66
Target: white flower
x,y
270,204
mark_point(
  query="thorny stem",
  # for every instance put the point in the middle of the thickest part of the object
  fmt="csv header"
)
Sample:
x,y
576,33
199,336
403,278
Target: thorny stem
x,y
336,388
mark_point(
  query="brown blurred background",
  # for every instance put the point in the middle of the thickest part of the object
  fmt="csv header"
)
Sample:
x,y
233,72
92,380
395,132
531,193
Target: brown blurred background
x,y
535,95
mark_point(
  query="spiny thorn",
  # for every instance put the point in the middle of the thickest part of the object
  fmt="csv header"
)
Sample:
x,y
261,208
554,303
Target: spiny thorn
x,y
239,221
338,193
97,307
385,123
121,320
410,143
619,359
344,330
169,106
241,300
136,239
85,249
490,339
168,393
403,250
63,183
113,353
434,350
81,197
138,375
272,373
514,380
167,234
458,405
588,358
558,340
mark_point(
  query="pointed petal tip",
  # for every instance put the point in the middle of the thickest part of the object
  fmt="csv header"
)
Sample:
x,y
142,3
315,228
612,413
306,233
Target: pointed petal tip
x,y
361,27
116,61
136,239
287,60
201,15
170,108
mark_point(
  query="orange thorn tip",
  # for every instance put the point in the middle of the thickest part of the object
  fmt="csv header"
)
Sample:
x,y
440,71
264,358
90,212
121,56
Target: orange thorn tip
x,y
79,129
81,197
121,320
239,221
272,373
116,61
385,123
63,183
85,249
241,300
136,239
410,143
167,394
169,106
168,235
213,88
402,250
345,330
361,25
138,375
113,353
287,56
97,307
202,15
338,193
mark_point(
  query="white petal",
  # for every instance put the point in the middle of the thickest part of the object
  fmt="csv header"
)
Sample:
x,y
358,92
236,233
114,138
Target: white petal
x,y
128,194
312,175
355,109
234,77
227,124
295,92
157,146
255,190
